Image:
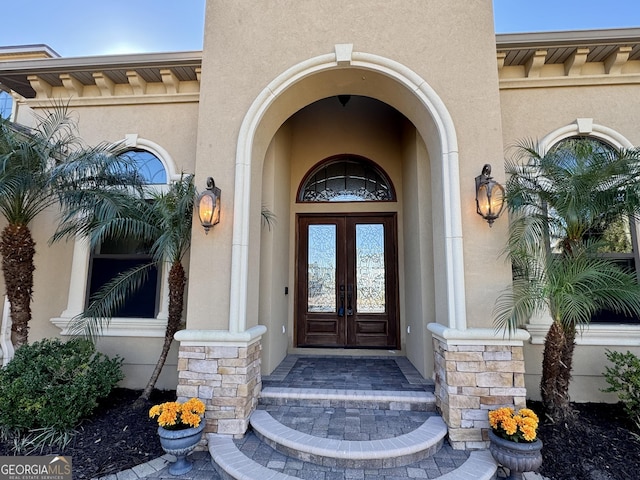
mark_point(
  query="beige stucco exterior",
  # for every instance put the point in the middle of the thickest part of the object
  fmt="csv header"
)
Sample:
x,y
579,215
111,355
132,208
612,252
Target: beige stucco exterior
x,y
433,97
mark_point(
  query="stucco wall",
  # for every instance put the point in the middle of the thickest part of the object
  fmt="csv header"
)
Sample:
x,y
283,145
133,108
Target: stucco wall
x,y
240,62
419,288
275,305
535,112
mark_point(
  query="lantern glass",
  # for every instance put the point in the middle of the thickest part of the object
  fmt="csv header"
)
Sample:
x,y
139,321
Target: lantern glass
x,y
490,200
208,206
205,209
215,218
489,196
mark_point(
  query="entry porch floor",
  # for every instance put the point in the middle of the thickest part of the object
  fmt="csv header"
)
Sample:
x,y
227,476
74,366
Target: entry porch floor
x,y
377,411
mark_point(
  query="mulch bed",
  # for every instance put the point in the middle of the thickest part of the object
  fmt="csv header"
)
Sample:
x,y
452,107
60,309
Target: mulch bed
x,y
117,436
599,445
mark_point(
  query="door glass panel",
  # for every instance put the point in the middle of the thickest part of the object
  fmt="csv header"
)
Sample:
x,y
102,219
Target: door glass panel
x,y
321,274
370,270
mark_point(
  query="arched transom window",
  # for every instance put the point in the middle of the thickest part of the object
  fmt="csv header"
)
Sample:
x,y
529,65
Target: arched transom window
x,y
149,167
346,178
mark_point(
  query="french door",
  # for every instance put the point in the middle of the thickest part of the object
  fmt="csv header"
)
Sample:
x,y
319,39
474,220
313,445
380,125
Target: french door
x,y
347,293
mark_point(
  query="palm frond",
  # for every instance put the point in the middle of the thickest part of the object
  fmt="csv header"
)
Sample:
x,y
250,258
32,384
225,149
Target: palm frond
x,y
110,298
173,214
560,205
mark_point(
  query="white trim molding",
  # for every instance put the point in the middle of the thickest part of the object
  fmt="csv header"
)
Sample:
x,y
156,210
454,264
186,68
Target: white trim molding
x,y
477,336
342,57
612,335
121,327
217,338
584,126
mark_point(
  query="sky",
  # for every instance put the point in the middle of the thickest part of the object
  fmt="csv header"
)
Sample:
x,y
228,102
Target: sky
x,y
140,26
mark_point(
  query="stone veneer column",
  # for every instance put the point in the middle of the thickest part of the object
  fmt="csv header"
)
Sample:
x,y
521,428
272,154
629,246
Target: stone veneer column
x,y
223,370
476,371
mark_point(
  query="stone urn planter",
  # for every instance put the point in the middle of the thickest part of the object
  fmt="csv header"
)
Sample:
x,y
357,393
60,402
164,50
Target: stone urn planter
x,y
517,457
180,443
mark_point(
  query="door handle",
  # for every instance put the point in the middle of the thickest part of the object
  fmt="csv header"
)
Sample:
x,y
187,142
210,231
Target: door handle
x,y
349,300
341,308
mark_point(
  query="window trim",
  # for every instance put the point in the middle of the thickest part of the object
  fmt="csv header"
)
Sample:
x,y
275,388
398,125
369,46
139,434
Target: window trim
x,y
604,334
76,299
615,334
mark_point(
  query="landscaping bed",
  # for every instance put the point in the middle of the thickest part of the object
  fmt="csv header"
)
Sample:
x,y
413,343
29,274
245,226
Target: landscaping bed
x,y
115,438
599,445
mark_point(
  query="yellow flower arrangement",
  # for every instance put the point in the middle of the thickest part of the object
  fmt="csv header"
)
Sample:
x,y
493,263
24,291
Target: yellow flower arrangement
x,y
520,427
178,416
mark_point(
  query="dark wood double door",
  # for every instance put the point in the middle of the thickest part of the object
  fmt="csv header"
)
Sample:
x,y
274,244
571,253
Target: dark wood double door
x,y
347,288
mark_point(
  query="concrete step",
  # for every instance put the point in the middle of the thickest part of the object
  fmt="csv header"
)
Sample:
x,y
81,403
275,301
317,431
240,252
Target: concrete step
x,y
390,452
422,401
231,463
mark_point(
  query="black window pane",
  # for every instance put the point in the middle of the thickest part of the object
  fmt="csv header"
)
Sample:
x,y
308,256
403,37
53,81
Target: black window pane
x,y
113,246
141,304
608,316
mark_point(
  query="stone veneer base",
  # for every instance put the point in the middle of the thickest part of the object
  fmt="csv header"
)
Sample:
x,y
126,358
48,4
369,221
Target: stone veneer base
x,y
223,370
476,370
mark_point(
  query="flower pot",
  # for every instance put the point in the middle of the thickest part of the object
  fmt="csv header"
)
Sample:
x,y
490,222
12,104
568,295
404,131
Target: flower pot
x,y
180,443
517,457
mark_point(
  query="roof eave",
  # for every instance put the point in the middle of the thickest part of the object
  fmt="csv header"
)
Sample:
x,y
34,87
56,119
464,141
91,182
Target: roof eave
x,y
567,38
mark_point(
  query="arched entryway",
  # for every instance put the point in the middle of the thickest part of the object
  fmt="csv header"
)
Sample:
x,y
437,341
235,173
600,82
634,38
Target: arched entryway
x,y
268,170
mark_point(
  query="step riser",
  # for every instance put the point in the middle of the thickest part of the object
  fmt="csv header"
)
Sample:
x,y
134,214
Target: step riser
x,y
231,464
331,462
426,406
399,451
416,401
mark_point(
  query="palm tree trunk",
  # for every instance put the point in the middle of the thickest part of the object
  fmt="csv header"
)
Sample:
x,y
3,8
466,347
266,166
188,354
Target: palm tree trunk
x,y
18,249
565,372
177,282
556,371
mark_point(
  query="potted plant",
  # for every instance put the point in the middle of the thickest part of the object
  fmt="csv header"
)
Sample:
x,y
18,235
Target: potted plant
x,y
514,443
180,428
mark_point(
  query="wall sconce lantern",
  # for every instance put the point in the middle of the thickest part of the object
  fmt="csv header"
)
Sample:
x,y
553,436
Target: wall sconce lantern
x,y
489,196
208,205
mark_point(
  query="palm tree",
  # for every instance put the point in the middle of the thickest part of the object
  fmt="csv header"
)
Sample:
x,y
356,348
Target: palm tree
x,y
564,206
161,220
38,167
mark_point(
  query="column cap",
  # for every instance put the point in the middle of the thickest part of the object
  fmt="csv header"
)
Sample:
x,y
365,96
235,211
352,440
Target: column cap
x,y
478,336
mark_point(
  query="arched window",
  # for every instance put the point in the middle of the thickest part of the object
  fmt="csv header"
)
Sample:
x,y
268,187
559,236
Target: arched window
x,y
6,104
618,234
149,166
117,255
346,178
146,316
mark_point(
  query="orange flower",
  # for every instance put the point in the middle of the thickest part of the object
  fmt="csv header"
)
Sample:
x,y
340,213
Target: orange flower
x,y
176,415
515,427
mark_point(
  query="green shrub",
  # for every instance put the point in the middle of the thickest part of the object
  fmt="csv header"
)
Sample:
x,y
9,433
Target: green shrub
x,y
53,385
624,379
